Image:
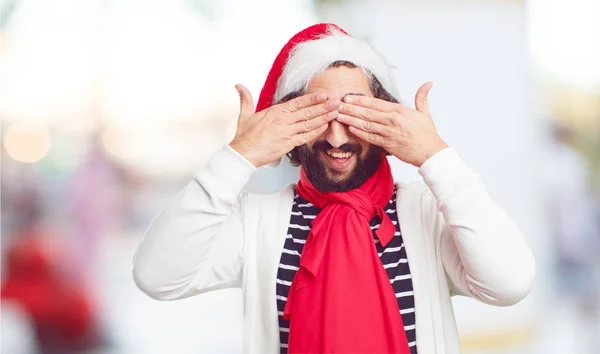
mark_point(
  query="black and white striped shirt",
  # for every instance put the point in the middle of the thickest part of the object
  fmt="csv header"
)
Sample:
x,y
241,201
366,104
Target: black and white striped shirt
x,y
393,258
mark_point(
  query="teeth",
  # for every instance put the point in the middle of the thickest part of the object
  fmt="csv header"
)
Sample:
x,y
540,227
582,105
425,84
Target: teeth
x,y
340,155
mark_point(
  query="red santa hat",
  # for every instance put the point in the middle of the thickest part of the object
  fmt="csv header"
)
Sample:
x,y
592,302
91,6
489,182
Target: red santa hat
x,y
313,50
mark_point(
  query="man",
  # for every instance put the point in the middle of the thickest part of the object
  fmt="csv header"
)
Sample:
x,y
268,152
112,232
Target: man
x,y
345,261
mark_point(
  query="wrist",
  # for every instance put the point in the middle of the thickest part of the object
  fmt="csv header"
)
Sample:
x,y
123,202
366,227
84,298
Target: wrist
x,y
431,152
244,152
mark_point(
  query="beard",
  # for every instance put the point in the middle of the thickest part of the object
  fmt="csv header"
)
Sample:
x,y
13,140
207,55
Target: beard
x,y
317,172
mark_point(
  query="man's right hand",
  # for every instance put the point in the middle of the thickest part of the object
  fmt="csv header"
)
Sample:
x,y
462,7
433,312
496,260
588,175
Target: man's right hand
x,y
266,136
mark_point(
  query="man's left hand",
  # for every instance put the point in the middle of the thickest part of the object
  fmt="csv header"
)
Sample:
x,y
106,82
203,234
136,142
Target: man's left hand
x,y
406,133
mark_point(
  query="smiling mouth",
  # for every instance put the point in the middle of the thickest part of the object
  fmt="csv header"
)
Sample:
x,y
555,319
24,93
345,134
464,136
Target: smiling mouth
x,y
340,155
339,161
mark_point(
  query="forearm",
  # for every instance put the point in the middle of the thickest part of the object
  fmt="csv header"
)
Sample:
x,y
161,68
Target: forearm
x,y
484,252
179,244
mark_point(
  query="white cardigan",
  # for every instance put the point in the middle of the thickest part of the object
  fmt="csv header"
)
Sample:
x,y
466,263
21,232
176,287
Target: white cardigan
x,y
214,236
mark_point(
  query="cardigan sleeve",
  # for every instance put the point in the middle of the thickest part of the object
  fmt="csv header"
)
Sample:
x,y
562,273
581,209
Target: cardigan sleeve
x,y
483,252
195,244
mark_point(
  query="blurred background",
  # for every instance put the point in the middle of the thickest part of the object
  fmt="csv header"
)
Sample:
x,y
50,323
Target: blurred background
x,y
108,107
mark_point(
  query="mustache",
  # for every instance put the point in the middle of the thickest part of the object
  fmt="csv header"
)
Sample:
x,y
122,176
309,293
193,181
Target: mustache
x,y
348,147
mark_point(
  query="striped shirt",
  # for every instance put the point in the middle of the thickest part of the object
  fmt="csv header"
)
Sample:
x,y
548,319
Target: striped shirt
x,y
393,258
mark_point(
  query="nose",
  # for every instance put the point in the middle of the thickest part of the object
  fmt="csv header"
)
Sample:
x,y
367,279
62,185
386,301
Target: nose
x,y
337,134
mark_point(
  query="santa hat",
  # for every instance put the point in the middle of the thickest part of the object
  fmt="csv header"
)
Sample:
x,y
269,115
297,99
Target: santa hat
x,y
313,50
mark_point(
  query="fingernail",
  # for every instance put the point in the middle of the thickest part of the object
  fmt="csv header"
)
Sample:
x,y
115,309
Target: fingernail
x,y
322,97
340,117
333,114
341,107
348,99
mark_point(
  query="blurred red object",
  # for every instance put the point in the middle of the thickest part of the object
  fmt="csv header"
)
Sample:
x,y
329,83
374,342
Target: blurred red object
x,y
59,306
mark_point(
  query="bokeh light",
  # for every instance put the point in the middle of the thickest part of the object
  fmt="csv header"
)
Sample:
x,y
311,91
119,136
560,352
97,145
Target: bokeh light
x,y
67,153
564,40
27,142
118,144
48,66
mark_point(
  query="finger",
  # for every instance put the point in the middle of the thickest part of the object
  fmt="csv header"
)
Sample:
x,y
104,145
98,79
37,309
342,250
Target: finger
x,y
246,102
305,137
421,98
365,125
370,137
311,112
304,101
310,124
372,103
364,113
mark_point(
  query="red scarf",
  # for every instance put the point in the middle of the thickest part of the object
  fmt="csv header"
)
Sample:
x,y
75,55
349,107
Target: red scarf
x,y
341,299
